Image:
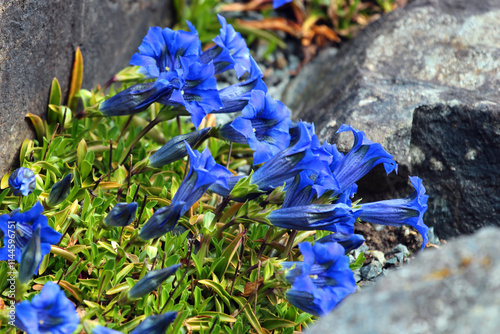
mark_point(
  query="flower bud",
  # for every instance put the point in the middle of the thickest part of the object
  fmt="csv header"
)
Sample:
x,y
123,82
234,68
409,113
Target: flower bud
x,y
22,181
155,324
151,281
32,255
162,221
60,191
175,149
121,215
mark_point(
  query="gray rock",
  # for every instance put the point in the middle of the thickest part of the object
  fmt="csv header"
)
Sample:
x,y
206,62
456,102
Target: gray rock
x,y
433,238
390,82
454,289
38,39
371,271
379,256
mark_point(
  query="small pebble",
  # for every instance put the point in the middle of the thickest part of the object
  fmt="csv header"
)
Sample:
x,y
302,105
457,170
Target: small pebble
x,y
371,271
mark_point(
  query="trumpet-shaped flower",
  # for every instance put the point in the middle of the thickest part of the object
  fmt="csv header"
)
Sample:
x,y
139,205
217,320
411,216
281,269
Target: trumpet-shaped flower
x,y
236,97
402,211
230,50
31,258
155,324
348,241
20,227
48,312
203,172
151,281
322,280
136,98
263,125
304,153
121,215
195,89
60,190
22,181
363,156
330,217
307,186
175,149
280,3
161,50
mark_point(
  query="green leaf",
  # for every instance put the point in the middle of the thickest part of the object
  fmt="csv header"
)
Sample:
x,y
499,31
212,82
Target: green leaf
x,y
228,254
219,289
359,262
272,324
104,280
81,153
39,125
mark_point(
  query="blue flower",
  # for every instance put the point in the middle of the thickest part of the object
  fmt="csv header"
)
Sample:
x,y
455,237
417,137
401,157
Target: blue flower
x,y
304,153
195,89
363,156
279,3
402,211
60,191
230,51
175,149
161,50
307,186
162,221
322,280
121,215
330,217
48,312
136,98
348,241
155,324
22,181
31,258
151,281
236,97
263,126
203,172
23,225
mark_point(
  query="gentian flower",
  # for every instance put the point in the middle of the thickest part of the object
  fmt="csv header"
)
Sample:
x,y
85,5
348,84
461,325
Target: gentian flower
x,y
155,324
303,153
31,258
151,281
330,217
175,149
363,156
23,224
307,186
203,172
195,89
279,3
121,215
161,50
162,221
230,51
322,280
136,98
263,125
348,241
60,191
22,181
402,211
48,312
236,97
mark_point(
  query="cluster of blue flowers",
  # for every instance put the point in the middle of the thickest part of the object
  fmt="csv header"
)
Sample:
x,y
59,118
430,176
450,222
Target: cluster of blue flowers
x,y
319,180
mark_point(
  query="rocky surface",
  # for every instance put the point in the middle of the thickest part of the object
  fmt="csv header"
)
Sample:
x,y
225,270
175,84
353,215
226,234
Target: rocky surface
x,y
399,81
454,289
38,39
